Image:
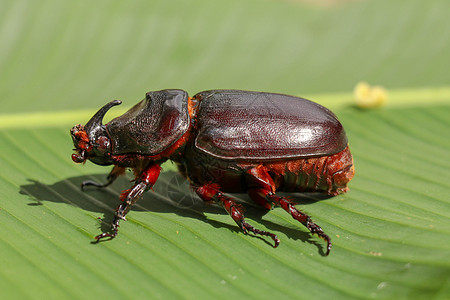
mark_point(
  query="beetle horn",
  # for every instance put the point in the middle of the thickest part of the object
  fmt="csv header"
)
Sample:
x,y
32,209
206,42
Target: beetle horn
x,y
96,120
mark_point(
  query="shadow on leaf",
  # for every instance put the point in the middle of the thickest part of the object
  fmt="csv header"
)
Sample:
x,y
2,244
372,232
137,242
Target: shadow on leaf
x,y
171,194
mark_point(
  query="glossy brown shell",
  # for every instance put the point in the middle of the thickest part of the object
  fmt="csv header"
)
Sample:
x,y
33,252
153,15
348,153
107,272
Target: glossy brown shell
x,y
243,125
152,125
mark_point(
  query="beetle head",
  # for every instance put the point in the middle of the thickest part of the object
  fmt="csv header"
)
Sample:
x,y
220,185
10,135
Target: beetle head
x,y
91,140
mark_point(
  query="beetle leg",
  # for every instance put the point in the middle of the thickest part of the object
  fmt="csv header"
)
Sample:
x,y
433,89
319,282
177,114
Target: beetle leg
x,y
143,182
211,192
115,172
262,190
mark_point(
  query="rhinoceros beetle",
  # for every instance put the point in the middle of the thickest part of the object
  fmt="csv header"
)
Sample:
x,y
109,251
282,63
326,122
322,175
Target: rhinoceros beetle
x,y
222,141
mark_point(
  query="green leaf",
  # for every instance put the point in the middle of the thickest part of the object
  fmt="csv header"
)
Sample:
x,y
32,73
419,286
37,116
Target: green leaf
x,y
61,60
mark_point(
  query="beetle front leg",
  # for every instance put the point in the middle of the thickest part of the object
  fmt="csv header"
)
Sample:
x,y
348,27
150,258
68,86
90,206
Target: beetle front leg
x,y
115,172
143,182
211,192
262,190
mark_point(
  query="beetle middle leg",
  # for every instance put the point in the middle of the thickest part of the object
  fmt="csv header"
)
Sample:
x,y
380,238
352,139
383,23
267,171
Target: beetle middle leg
x,y
211,192
143,182
261,188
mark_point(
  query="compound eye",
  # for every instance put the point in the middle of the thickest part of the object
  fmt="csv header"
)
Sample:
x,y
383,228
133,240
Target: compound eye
x,y
103,143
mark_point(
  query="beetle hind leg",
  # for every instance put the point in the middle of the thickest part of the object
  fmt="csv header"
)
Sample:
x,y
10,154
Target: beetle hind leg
x,y
211,192
261,189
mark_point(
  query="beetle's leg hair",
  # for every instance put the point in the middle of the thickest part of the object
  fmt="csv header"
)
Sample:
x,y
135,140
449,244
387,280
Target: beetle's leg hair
x,y
143,182
262,190
115,172
211,192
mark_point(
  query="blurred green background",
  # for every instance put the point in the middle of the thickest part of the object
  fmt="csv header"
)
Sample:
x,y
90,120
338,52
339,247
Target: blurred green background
x,y
61,60
59,55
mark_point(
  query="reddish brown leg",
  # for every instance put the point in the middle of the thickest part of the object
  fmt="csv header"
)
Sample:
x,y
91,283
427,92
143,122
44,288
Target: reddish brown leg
x,y
143,182
211,192
262,190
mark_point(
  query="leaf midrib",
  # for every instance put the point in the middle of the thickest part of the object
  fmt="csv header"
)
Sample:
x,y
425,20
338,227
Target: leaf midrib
x,y
397,98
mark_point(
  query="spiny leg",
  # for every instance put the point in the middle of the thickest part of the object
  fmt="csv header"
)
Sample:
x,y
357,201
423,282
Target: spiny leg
x,y
303,218
115,172
262,190
143,182
211,192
